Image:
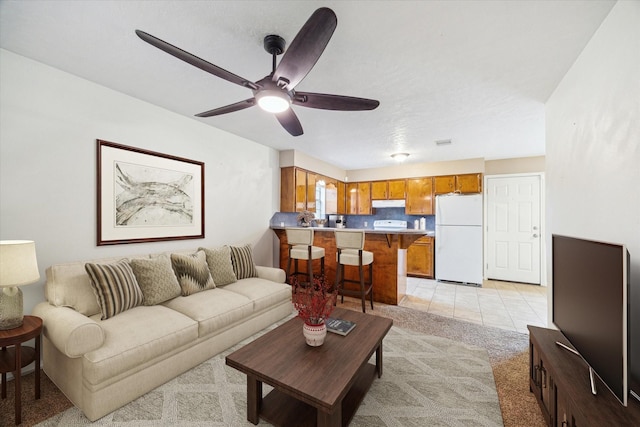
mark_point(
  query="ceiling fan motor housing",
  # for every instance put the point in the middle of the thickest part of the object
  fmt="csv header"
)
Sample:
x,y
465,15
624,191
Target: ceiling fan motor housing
x,y
274,44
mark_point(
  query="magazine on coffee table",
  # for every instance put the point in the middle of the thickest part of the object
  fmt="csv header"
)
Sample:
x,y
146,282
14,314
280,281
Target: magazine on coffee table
x,y
339,326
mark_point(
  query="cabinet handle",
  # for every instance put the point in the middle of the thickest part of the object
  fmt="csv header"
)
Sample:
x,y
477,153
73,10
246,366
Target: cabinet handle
x,y
544,382
536,375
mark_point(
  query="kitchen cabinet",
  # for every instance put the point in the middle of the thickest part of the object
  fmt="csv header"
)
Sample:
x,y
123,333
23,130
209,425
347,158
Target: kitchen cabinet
x,y
397,189
287,189
297,190
388,190
342,198
301,190
444,184
464,183
469,183
420,258
419,199
311,191
358,198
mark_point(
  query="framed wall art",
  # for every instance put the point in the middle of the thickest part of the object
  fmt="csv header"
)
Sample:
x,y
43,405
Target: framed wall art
x,y
144,196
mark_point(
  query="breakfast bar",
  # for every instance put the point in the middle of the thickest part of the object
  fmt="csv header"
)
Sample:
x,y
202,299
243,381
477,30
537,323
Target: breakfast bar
x,y
390,258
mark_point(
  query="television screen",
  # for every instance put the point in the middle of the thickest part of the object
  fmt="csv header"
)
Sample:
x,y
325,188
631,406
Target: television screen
x,y
590,292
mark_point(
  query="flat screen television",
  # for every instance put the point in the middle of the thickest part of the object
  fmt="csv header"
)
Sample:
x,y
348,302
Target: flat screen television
x,y
591,306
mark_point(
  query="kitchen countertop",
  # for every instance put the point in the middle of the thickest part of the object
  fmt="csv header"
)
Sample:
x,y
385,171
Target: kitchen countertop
x,y
368,230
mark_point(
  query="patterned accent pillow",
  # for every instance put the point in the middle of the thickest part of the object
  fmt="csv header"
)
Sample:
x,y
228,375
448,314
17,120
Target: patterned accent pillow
x,y
156,279
192,272
242,259
219,261
115,287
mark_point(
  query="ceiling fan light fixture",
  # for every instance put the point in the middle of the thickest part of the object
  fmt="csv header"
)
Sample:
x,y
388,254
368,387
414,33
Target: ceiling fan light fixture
x,y
273,101
400,157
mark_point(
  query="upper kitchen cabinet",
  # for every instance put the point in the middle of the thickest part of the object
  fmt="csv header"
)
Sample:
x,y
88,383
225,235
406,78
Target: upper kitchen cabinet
x,y
466,183
388,190
342,198
331,196
469,183
358,198
288,189
419,199
444,184
295,194
311,191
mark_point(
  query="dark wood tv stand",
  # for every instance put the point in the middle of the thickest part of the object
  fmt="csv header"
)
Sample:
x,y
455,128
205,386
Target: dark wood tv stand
x,y
560,382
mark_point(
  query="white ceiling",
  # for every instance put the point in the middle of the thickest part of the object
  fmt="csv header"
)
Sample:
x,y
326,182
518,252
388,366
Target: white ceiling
x,y
475,72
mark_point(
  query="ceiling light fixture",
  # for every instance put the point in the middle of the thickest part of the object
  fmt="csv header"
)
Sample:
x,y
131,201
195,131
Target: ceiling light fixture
x,y
273,101
399,157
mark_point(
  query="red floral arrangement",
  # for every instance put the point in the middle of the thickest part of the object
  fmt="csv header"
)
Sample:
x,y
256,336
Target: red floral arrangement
x,y
314,302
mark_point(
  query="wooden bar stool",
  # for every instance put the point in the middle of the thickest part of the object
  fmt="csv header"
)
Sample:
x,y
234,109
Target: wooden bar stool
x,y
350,245
300,241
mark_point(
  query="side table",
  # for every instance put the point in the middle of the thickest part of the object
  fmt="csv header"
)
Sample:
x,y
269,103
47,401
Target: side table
x,y
14,357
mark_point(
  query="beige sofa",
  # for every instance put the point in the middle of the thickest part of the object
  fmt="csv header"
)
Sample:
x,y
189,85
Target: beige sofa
x,y
101,365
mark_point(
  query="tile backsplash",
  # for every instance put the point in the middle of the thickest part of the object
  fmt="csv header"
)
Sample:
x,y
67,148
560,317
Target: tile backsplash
x,y
358,221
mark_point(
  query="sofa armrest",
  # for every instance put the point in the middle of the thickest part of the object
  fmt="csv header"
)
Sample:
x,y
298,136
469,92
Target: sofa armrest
x,y
271,273
72,333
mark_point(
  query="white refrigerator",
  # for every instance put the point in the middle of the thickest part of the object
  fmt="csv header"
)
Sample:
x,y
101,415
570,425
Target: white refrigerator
x,y
458,242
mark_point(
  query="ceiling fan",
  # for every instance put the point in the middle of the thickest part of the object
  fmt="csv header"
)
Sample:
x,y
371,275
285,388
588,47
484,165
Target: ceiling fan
x,y
276,92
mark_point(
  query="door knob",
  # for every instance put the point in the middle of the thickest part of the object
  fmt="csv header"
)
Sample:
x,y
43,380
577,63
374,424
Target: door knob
x,y
535,235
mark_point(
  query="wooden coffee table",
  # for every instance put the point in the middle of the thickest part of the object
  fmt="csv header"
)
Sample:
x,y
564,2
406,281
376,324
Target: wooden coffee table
x,y
312,386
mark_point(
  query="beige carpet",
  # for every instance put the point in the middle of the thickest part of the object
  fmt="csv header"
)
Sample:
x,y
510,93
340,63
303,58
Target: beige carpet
x,y
507,351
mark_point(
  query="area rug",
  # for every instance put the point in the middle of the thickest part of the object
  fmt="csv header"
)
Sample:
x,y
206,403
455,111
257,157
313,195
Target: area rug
x,y
427,381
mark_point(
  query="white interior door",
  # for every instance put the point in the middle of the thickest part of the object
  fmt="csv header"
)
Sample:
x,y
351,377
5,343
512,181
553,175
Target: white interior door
x,y
513,228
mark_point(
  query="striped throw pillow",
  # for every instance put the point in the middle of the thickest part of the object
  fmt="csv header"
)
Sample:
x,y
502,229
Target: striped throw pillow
x,y
242,260
192,272
115,287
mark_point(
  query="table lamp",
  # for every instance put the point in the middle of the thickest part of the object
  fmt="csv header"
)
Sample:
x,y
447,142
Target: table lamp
x,y
18,266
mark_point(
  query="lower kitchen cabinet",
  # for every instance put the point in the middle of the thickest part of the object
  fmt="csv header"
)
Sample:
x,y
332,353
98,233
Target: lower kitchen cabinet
x,y
420,258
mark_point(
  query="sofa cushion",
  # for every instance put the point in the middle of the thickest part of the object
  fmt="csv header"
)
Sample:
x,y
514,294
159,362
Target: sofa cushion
x,y
135,338
219,262
192,272
263,293
115,287
156,279
69,285
214,309
242,259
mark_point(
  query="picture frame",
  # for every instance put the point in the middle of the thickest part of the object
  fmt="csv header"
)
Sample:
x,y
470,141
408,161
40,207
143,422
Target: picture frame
x,y
146,196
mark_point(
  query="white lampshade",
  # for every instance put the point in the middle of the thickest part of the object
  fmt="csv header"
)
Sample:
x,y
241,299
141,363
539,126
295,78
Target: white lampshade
x,y
18,263
18,266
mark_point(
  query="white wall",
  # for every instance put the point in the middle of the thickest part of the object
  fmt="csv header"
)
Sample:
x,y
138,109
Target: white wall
x,y
410,170
593,141
49,123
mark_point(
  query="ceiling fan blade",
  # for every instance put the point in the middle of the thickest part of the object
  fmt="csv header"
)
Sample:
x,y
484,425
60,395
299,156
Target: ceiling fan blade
x,y
306,48
195,61
334,102
229,108
290,122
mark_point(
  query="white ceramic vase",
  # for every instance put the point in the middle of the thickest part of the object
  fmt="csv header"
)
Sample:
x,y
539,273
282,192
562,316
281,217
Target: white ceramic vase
x,y
314,334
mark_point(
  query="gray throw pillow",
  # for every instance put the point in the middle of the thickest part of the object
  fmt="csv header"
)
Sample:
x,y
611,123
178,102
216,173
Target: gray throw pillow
x,y
115,286
156,279
219,261
192,272
242,259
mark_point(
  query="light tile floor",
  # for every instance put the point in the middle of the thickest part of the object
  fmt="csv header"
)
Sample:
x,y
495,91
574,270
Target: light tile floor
x,y
504,305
